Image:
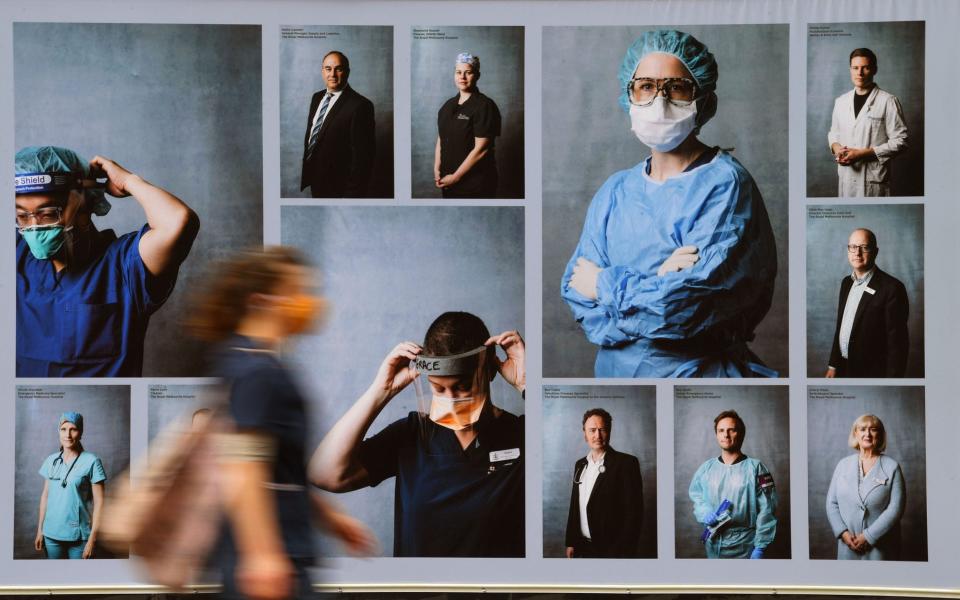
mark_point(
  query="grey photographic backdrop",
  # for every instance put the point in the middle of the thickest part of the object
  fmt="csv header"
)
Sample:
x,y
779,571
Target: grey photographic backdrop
x,y
633,431
179,105
899,46
765,411
106,433
587,138
388,273
433,58
830,415
899,230
370,50
168,403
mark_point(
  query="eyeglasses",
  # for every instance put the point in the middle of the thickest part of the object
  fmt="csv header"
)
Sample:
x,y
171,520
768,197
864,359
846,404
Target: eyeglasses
x,y
42,217
853,248
677,90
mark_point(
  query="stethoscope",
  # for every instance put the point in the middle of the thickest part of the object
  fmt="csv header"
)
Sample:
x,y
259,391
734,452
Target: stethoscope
x,y
63,480
578,476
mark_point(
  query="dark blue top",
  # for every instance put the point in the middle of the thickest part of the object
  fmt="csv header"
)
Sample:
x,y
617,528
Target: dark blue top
x,y
450,501
264,398
88,320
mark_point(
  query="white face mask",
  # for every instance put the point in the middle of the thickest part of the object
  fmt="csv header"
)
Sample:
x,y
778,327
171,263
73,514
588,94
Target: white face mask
x,y
663,125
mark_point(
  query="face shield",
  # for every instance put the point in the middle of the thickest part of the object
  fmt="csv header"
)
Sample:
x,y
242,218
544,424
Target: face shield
x,y
453,390
51,169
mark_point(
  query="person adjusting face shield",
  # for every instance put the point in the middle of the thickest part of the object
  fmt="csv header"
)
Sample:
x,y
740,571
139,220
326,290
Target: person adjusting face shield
x,y
676,263
456,387
458,460
72,498
734,497
85,297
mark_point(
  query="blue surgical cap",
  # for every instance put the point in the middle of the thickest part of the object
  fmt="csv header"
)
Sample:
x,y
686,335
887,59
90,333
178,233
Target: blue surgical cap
x,y
73,417
469,59
52,169
687,49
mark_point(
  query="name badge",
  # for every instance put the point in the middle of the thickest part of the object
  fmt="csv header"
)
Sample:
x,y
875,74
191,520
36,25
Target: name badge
x,y
870,290
502,455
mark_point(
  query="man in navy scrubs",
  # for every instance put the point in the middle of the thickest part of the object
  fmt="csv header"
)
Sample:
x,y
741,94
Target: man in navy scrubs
x,y
458,467
84,297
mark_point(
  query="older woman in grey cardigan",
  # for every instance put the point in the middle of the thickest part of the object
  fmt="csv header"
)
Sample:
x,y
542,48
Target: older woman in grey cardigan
x,y
867,496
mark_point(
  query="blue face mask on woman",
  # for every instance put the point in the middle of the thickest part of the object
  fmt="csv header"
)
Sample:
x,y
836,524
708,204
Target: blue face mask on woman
x,y
44,241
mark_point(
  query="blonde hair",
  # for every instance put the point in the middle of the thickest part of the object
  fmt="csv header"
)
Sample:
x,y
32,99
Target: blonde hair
x,y
881,444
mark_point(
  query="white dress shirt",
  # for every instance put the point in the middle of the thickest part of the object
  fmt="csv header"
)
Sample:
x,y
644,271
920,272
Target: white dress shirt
x,y
334,96
588,477
850,309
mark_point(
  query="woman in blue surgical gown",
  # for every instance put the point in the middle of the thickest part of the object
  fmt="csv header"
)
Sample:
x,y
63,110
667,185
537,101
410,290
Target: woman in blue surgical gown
x,y
676,263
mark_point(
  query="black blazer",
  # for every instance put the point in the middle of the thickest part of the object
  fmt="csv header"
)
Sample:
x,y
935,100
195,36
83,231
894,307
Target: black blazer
x,y
615,508
341,164
879,340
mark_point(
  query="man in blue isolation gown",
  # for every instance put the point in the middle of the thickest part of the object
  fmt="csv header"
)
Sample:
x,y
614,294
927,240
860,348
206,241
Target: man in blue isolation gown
x,y
677,261
734,496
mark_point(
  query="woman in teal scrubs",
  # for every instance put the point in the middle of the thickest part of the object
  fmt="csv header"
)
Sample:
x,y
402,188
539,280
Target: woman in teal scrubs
x,y
72,498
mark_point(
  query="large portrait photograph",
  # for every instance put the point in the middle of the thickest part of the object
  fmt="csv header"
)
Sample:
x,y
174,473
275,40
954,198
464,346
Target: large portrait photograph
x,y
665,201
139,158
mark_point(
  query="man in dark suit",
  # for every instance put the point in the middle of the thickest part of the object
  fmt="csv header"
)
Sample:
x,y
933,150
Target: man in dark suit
x,y
606,504
339,144
871,337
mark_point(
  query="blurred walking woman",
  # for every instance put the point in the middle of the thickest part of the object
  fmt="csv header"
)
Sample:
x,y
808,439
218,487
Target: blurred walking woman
x,y
253,303
866,496
72,497
464,164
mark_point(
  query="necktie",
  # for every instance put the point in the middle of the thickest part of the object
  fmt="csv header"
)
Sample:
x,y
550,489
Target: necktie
x,y
315,132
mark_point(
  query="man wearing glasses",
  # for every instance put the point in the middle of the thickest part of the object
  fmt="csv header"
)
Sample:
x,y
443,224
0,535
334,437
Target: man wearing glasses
x,y
871,337
866,131
606,505
84,297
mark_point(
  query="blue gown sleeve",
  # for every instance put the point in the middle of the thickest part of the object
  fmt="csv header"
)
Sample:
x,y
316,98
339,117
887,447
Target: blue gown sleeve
x,y
766,528
731,286
703,509
597,321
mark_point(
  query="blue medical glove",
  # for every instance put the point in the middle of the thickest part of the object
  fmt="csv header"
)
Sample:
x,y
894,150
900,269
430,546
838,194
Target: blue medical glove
x,y
721,514
717,520
757,553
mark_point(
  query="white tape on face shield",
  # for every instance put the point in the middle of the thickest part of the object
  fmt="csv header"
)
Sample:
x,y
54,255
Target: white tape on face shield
x,y
453,387
662,125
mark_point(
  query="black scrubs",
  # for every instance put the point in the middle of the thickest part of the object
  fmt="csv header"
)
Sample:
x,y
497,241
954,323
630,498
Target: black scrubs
x,y
458,125
265,399
450,501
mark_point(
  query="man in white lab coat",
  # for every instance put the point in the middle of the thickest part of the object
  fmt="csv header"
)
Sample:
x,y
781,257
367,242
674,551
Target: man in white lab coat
x,y
866,131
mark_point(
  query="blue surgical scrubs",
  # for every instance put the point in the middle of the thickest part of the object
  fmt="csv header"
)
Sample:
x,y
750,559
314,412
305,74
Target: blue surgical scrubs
x,y
70,507
749,487
88,320
691,323
450,501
